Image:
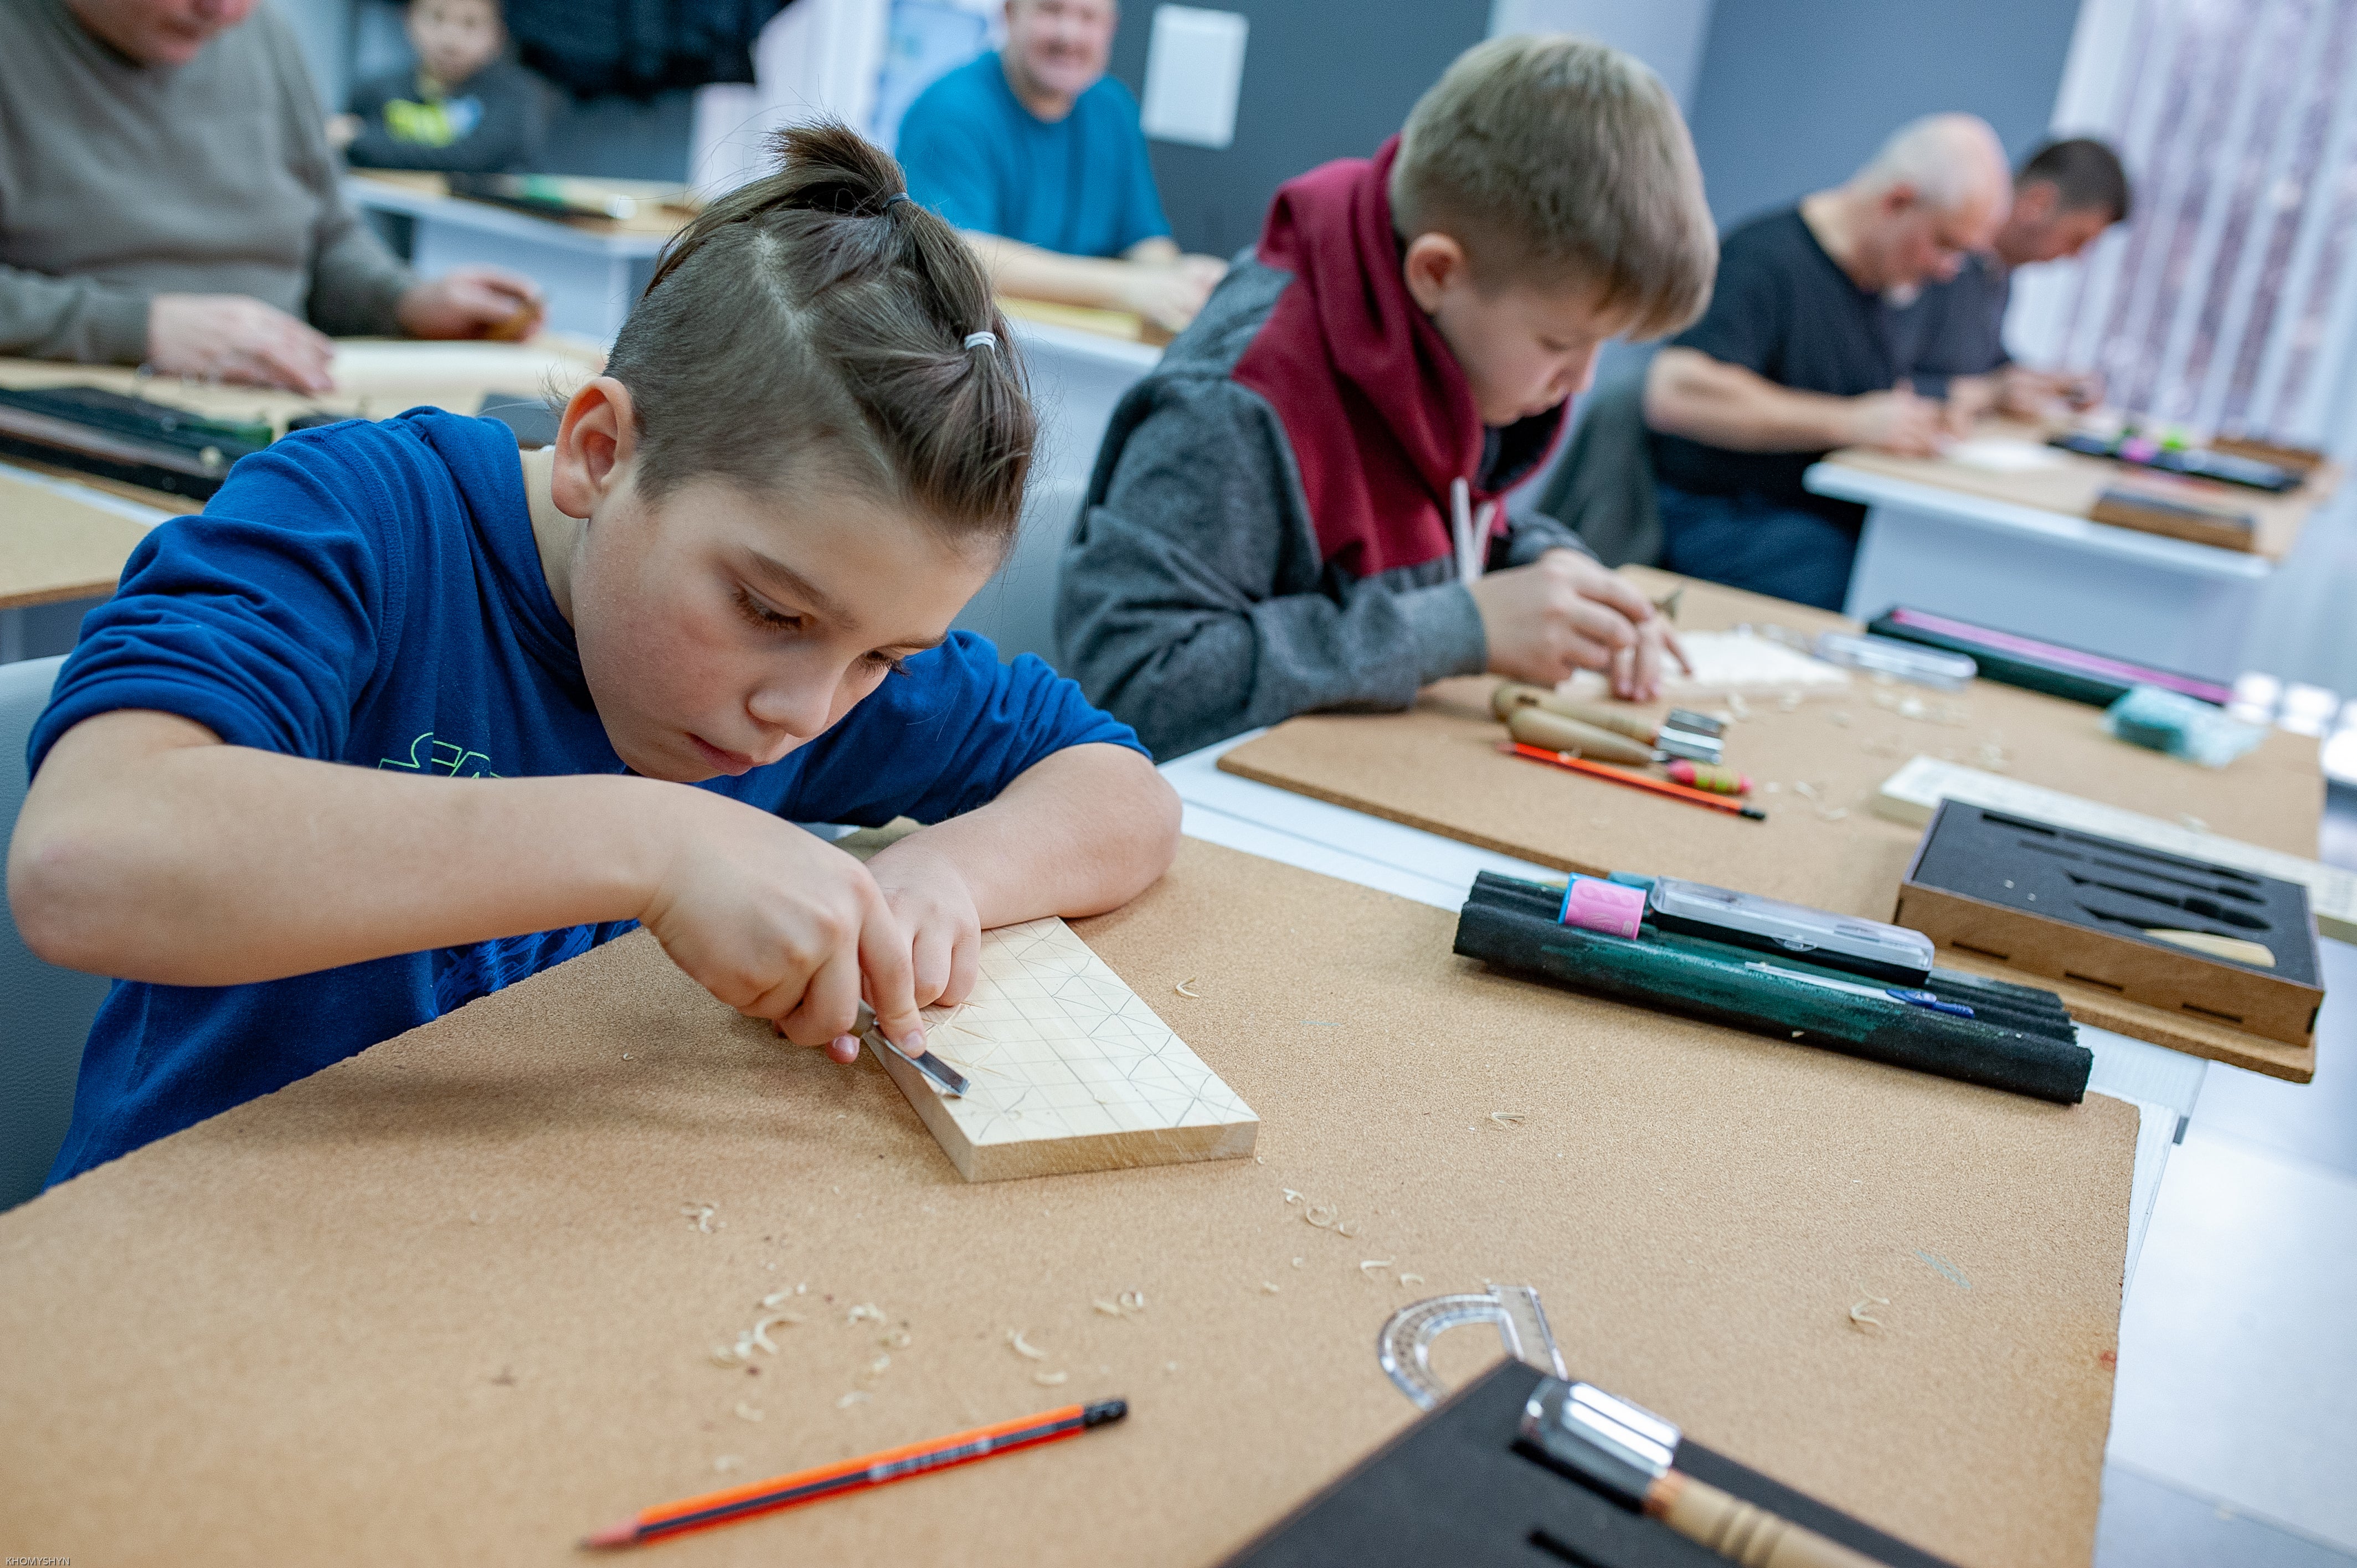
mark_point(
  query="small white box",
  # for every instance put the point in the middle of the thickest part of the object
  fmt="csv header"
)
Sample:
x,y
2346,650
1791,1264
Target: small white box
x,y
1194,74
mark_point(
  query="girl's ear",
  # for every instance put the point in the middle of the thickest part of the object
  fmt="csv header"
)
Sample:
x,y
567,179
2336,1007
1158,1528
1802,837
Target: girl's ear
x,y
595,443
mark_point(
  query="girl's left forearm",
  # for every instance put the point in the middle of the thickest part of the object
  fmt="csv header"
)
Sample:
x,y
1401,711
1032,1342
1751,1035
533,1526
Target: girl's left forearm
x,y
1080,832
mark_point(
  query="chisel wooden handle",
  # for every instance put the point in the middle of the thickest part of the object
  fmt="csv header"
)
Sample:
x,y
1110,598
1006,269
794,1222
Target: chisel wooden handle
x,y
1512,694
1741,1532
1552,732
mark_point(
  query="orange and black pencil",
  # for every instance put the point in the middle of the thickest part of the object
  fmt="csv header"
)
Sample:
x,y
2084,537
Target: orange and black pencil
x,y
854,1474
1635,780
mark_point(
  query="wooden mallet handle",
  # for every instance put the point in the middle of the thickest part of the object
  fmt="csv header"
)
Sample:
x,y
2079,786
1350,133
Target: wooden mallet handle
x,y
1742,1531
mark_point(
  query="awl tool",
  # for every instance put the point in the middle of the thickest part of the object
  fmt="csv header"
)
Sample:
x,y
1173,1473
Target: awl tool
x,y
944,1076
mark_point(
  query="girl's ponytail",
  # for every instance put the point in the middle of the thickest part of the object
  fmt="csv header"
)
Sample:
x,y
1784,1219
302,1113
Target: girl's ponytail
x,y
817,316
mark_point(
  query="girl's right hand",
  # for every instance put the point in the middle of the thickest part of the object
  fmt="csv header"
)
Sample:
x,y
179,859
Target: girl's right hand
x,y
780,925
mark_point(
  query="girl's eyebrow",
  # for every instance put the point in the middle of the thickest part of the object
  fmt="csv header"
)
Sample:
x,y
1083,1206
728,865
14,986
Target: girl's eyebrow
x,y
803,588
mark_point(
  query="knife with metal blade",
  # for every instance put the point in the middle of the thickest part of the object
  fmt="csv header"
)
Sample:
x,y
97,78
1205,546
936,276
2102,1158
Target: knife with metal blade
x,y
946,1076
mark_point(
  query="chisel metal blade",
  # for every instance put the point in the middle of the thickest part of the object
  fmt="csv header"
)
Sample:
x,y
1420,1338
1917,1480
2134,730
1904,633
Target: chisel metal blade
x,y
949,1081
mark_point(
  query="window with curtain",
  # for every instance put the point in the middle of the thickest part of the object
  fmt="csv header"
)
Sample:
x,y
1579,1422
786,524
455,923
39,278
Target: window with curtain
x,y
2226,303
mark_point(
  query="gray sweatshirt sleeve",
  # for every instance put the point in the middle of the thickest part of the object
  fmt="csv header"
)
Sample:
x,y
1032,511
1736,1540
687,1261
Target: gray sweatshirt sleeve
x,y
1531,534
1194,604
44,317
356,282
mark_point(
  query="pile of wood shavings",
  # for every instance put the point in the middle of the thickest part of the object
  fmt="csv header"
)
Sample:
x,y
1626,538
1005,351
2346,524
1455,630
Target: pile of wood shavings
x,y
700,1216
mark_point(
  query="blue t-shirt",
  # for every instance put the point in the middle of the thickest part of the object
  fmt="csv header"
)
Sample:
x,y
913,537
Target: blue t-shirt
x,y
1081,185
373,595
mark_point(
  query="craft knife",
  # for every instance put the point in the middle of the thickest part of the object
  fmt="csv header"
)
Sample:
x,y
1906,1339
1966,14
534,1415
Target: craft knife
x,y
943,1075
1915,996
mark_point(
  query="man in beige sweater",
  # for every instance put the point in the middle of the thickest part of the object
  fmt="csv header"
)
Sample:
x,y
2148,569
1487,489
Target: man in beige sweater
x,y
167,198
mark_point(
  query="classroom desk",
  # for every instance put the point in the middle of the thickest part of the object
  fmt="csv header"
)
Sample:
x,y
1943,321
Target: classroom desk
x,y
1335,840
1080,366
2017,550
66,534
591,270
439,1302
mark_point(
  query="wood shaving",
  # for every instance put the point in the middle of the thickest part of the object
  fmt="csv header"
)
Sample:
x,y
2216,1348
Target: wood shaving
x,y
1737,706
1049,1379
729,1356
700,1214
899,1339
1789,703
1297,1263
1507,1118
777,1298
1310,1215
726,1463
1368,1265
1840,718
1270,1287
857,1396
1860,1318
1411,1279
878,1367
1182,988
1023,1347
867,1310
1133,1301
1169,1369
1290,1195
761,1330
1344,1230
1108,1309
746,1412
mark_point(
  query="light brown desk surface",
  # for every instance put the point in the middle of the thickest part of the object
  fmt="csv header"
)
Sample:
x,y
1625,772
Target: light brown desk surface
x,y
439,1303
1437,767
54,547
663,207
2074,484
46,556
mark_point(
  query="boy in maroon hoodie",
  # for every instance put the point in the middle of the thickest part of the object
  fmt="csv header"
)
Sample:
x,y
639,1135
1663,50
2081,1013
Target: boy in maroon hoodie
x,y
1298,509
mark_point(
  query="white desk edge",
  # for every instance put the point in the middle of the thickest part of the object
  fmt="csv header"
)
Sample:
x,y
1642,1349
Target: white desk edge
x,y
1845,483
1298,831
493,219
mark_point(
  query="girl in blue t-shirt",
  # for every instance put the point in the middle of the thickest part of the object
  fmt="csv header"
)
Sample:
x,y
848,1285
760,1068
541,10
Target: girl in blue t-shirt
x,y
722,597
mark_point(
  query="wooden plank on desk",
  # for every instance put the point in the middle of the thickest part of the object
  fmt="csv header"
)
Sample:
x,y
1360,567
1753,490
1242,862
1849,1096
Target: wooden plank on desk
x,y
2073,482
55,548
439,1302
1437,767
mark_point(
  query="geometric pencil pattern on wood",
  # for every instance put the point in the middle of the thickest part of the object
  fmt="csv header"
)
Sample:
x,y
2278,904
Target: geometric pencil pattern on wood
x,y
1067,1069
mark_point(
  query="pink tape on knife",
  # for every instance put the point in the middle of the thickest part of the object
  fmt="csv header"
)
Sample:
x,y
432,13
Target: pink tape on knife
x,y
1594,905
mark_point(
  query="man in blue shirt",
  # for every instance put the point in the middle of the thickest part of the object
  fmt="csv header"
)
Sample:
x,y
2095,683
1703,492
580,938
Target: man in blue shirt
x,y
1036,154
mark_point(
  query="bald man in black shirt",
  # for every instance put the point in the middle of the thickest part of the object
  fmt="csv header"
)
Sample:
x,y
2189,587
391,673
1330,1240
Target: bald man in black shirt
x,y
1798,355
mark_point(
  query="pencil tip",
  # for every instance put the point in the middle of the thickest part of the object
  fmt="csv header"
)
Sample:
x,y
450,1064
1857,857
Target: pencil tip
x,y
620,1534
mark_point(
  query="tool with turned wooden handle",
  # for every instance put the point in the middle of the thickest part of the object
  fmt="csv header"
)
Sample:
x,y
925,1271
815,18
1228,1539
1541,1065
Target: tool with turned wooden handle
x,y
1624,1451
1512,696
1552,732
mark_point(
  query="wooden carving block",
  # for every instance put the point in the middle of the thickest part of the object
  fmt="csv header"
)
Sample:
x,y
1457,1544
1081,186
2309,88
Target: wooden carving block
x,y
1065,1069
2176,519
2072,905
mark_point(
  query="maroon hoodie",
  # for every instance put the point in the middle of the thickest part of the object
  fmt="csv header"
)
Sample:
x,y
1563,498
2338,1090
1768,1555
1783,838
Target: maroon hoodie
x,y
1378,412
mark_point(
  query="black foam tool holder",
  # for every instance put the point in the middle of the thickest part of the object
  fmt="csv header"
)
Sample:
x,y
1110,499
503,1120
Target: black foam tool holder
x,y
2019,1039
2075,905
1454,1488
98,432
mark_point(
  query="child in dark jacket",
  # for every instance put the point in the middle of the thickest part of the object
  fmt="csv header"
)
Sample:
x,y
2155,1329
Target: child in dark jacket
x,y
466,109
1299,508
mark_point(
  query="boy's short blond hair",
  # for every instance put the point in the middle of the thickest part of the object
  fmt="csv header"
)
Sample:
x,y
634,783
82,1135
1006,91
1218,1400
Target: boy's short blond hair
x,y
1549,157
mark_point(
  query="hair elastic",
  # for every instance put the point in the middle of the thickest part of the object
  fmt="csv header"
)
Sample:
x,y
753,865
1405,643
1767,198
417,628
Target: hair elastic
x,y
894,200
982,340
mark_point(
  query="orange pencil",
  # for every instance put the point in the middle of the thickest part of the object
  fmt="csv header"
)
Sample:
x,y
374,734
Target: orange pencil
x,y
856,1474
1635,780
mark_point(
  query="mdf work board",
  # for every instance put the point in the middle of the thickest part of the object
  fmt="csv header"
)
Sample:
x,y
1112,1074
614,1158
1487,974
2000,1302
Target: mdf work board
x,y
456,1298
2070,483
58,542
1436,766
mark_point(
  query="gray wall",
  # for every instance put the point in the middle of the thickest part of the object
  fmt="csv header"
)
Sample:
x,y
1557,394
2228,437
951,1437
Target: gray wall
x,y
1794,94
1320,83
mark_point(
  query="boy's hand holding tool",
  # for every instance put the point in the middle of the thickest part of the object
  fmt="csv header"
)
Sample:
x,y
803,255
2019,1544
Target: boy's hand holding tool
x,y
780,925
1566,612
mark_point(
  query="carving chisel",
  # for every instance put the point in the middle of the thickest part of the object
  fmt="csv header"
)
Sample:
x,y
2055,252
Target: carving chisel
x,y
944,1076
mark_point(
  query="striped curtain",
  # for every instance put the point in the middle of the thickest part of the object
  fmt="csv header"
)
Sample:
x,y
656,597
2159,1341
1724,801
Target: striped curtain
x,y
2225,304
2229,300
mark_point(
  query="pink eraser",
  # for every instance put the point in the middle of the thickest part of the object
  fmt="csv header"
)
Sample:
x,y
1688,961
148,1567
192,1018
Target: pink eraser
x,y
1612,908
